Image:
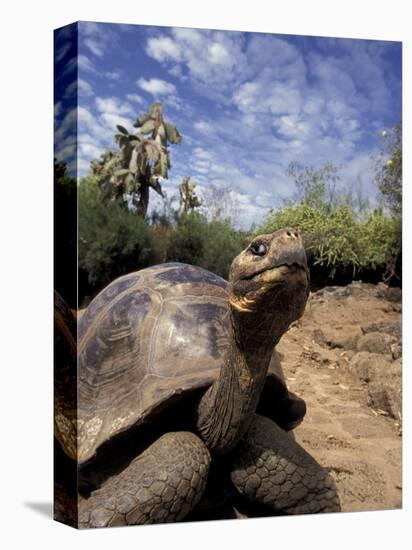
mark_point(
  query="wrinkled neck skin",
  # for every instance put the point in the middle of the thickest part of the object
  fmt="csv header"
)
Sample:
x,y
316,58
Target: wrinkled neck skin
x,y
226,409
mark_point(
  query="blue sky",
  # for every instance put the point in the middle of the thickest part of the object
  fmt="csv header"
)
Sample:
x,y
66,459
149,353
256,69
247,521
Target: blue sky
x,y
246,104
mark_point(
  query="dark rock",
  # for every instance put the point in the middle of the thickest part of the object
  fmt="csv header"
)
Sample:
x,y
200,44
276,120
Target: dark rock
x,y
322,355
393,328
385,390
340,291
365,365
348,339
392,294
358,288
384,379
375,342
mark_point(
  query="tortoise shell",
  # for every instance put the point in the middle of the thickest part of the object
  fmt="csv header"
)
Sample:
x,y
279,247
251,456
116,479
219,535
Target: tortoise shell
x,y
65,379
147,338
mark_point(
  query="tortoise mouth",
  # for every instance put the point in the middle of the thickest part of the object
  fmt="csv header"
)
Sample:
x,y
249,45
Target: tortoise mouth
x,y
279,272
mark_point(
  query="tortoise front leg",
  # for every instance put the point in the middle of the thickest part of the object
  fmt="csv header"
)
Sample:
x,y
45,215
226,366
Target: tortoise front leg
x,y
161,485
270,468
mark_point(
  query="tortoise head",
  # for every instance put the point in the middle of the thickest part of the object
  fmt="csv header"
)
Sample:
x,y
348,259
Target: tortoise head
x,y
269,284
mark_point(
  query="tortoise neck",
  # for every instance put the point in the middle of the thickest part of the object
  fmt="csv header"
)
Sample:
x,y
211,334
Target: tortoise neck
x,y
226,409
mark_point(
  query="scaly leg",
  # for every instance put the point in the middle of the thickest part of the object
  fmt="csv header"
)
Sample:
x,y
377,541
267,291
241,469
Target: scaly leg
x,y
161,485
270,468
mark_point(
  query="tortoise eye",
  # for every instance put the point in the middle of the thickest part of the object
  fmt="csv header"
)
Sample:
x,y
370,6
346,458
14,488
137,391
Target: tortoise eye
x,y
258,249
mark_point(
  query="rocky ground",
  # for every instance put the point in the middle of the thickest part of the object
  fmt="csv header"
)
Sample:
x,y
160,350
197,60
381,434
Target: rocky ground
x,y
344,358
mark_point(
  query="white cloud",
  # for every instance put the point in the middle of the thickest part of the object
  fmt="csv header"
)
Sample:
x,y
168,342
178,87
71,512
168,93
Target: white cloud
x,y
96,47
113,75
276,56
97,126
95,134
163,48
173,101
212,59
88,148
291,126
177,72
71,91
270,76
114,106
203,153
85,89
62,51
65,127
70,66
86,64
65,139
267,95
112,119
88,123
96,37
156,86
135,97
57,108
203,126
219,55
331,76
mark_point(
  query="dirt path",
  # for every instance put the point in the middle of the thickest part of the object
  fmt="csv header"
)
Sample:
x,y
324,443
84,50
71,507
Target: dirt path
x,y
353,423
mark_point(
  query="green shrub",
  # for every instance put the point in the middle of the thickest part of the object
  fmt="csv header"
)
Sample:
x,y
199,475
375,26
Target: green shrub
x,y
211,245
112,240
331,237
187,241
341,235
381,242
223,243
337,239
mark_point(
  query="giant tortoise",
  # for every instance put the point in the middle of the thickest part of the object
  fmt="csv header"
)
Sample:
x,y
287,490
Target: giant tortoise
x,y
173,374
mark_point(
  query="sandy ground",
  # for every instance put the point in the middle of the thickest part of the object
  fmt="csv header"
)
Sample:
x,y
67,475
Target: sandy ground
x,y
353,423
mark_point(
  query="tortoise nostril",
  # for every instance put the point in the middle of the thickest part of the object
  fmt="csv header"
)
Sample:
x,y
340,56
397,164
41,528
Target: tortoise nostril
x,y
288,233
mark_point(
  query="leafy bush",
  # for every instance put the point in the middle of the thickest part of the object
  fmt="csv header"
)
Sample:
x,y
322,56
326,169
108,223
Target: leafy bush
x,y
112,240
187,241
338,240
222,244
331,235
341,235
211,245
381,243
